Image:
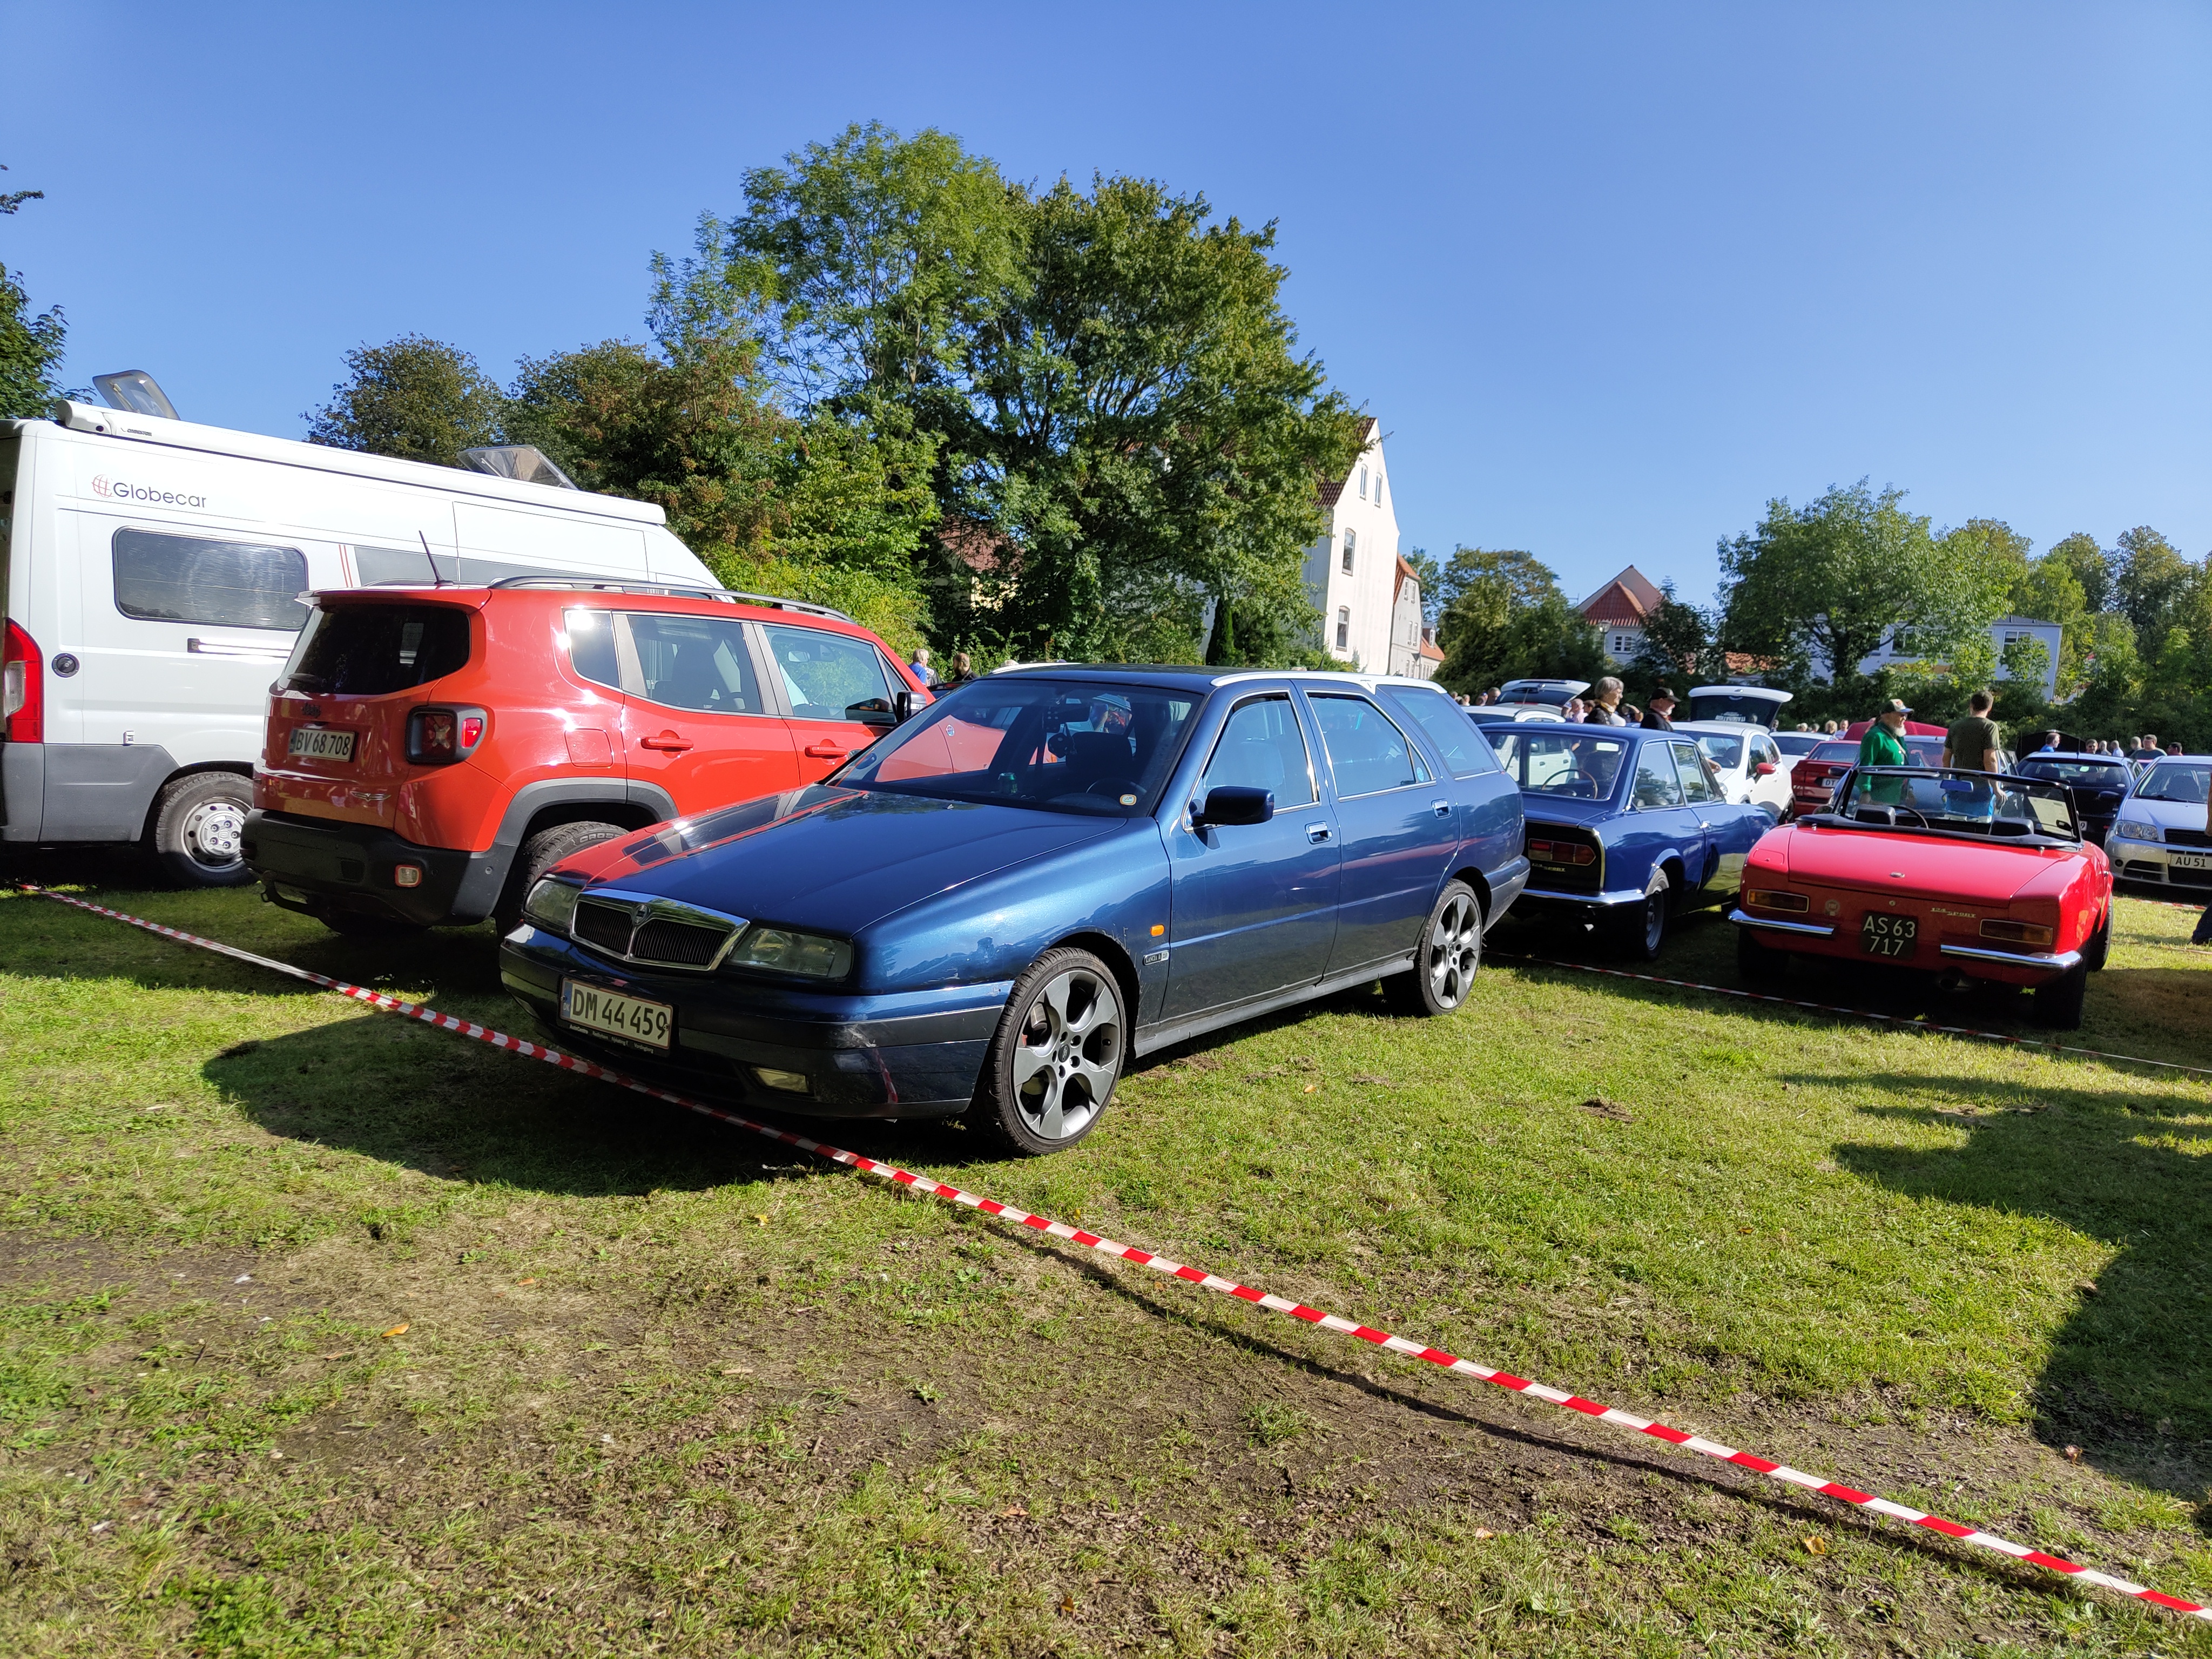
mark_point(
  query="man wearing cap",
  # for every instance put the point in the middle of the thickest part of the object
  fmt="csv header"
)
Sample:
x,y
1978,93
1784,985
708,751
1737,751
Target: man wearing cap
x,y
1884,743
1657,708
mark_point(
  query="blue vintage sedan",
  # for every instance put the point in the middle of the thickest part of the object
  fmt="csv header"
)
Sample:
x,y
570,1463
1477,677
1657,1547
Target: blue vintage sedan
x,y
1038,877
1626,828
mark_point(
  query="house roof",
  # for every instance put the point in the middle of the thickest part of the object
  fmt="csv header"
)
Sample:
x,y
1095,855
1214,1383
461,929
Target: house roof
x,y
1405,573
2022,622
1429,652
1333,489
1628,598
976,546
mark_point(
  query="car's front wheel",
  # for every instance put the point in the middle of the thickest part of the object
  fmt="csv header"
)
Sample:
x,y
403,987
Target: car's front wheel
x,y
1056,1056
2100,943
199,829
1451,951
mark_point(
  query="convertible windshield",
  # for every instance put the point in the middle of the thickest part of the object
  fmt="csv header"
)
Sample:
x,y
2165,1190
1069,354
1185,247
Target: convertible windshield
x,y
1550,760
2166,782
1965,803
1060,746
2104,775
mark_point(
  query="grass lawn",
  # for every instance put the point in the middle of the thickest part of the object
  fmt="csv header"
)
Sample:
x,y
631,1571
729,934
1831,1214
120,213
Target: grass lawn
x,y
324,1332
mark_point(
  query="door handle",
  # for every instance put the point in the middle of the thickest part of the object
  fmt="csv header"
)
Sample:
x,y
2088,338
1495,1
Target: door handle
x,y
667,741
826,752
1443,808
1317,833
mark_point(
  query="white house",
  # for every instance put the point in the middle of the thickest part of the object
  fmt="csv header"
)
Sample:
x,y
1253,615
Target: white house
x,y
1900,646
1353,572
1618,611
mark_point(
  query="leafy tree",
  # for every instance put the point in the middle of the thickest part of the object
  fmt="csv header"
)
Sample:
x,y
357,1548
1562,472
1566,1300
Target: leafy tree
x,y
30,346
1528,579
1680,643
416,398
2149,575
2050,591
1488,639
2091,569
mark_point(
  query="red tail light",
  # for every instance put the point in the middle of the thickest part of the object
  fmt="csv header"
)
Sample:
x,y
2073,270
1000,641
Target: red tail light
x,y
22,688
438,737
1561,852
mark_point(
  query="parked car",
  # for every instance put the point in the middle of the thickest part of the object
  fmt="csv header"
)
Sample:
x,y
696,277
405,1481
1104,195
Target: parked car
x,y
1736,705
1797,745
1553,694
1813,781
2159,837
1044,875
1970,875
431,751
2098,783
1515,715
1626,828
1752,768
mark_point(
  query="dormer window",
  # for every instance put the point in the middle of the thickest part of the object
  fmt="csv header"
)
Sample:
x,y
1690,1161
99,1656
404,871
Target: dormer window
x,y
1351,538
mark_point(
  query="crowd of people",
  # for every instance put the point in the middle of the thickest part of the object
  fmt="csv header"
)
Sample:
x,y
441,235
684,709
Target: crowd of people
x,y
2144,747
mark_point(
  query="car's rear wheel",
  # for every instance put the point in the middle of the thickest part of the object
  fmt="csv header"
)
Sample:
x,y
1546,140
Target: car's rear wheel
x,y
1757,963
2100,943
1056,1056
1638,930
1450,954
540,853
2058,1005
199,829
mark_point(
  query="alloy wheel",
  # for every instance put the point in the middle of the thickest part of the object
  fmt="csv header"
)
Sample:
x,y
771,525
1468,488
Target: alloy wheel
x,y
1455,949
1068,1055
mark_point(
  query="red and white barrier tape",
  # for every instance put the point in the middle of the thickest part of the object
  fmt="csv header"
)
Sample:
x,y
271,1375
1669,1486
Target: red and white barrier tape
x,y
2011,1038
1198,1276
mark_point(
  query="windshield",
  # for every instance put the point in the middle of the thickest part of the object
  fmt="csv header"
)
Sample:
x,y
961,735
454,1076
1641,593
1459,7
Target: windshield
x,y
1974,803
1797,742
2098,774
1723,751
2169,781
1560,760
1059,745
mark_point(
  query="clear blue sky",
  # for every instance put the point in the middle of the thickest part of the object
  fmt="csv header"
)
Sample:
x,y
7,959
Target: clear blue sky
x,y
1611,277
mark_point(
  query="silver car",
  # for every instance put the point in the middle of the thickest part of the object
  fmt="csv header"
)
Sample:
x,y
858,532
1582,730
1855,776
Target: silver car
x,y
2160,835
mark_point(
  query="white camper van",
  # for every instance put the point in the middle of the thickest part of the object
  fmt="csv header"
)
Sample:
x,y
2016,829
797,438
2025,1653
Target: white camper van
x,y
151,571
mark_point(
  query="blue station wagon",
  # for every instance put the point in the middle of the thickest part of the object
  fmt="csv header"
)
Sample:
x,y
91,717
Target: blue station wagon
x,y
1042,875
1626,828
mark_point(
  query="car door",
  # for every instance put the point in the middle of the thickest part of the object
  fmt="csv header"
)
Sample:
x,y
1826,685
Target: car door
x,y
694,721
839,689
1253,905
1658,819
1398,827
1721,824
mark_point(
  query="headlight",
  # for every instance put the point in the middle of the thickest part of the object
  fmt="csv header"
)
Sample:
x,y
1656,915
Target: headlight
x,y
780,951
2128,831
552,904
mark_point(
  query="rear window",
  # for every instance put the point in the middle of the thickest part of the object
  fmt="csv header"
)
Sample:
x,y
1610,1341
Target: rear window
x,y
367,650
188,578
1836,751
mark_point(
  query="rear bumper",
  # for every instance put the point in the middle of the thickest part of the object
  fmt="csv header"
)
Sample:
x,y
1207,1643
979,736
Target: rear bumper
x,y
317,868
1534,900
2005,967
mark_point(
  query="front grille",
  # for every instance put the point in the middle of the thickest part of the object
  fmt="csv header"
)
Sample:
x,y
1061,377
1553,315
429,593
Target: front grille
x,y
603,925
2188,838
677,944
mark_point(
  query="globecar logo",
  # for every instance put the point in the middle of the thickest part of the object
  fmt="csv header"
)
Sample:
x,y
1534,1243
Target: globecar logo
x,y
121,491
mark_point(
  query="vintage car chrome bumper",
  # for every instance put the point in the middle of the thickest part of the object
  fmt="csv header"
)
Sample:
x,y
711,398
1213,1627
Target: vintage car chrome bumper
x,y
1620,895
1818,930
2059,962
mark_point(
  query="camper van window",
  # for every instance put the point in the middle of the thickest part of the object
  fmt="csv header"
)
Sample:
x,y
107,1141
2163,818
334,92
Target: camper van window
x,y
368,650
186,578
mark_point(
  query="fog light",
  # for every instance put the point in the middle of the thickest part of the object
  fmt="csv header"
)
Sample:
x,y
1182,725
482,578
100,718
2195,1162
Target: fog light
x,y
406,875
791,1083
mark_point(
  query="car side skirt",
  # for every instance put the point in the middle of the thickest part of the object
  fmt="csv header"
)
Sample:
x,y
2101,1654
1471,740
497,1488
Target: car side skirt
x,y
1150,1037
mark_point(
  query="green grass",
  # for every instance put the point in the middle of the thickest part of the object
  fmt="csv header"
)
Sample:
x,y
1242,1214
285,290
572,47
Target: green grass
x,y
664,1388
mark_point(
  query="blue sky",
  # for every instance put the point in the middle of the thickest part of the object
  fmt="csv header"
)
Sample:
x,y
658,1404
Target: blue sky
x,y
1611,277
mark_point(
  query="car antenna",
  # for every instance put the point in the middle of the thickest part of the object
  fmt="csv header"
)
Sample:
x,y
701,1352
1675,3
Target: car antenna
x,y
437,576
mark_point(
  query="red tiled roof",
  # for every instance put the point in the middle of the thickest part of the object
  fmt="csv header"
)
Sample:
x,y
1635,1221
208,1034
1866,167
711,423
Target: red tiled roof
x,y
975,545
1429,652
1628,598
1333,490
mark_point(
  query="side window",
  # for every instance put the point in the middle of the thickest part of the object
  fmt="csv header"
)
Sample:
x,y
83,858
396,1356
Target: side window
x,y
186,579
829,677
1697,782
592,650
1456,737
1366,753
1261,748
695,662
1351,541
1656,784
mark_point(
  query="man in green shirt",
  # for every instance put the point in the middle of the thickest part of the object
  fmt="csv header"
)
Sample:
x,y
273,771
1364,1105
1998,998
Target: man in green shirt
x,y
1972,743
1884,745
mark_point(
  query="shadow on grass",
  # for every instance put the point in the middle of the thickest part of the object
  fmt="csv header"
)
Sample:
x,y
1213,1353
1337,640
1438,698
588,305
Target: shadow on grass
x,y
2129,1377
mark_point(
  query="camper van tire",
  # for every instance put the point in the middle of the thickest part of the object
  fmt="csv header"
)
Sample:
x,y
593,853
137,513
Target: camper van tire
x,y
540,853
199,829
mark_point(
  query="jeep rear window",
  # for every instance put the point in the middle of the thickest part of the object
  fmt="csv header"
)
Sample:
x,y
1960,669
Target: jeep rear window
x,y
367,650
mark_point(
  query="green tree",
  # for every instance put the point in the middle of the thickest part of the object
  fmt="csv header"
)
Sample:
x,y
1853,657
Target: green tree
x,y
2050,591
2150,574
1488,638
1528,579
2091,568
30,346
1680,643
416,398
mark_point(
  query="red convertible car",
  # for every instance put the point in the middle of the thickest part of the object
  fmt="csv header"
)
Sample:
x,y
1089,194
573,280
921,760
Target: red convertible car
x,y
1967,875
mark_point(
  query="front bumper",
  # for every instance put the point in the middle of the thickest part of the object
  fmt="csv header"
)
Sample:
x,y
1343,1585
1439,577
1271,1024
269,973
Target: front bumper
x,y
2151,862
917,1054
318,867
2006,966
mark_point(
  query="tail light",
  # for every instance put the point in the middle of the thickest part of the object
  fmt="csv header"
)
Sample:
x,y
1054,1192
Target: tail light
x,y
438,737
22,688
1561,852
1773,898
2015,933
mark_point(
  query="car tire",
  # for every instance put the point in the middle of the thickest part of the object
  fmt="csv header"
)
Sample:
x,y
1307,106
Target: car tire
x,y
1448,958
1757,963
199,829
2058,1005
1055,1057
540,853
2100,943
1638,930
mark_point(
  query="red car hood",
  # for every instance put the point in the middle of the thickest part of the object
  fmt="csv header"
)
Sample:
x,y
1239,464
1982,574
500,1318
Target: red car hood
x,y
1933,866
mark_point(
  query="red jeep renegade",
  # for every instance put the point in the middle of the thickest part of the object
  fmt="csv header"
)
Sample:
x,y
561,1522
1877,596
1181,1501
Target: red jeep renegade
x,y
432,750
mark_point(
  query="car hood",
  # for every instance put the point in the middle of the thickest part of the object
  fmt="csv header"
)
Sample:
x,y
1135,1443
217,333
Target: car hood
x,y
2167,814
1933,868
831,858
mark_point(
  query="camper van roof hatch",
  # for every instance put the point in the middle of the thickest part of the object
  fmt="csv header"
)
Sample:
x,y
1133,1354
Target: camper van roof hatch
x,y
525,463
135,390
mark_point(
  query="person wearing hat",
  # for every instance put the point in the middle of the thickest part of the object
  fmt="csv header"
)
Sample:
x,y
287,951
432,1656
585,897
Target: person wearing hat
x,y
1656,708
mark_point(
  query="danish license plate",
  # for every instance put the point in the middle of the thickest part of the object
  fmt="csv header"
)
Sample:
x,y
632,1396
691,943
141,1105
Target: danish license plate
x,y
2190,861
610,1013
1881,935
320,743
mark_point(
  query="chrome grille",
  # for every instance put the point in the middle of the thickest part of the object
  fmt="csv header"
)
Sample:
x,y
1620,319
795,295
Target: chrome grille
x,y
680,943
605,925
654,931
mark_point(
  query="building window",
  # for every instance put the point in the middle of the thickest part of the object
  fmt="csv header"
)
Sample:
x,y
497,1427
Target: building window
x,y
1351,538
1363,483
1344,627
1378,486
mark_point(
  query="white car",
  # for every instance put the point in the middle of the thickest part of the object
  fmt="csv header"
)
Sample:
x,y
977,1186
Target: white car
x,y
1752,767
2161,836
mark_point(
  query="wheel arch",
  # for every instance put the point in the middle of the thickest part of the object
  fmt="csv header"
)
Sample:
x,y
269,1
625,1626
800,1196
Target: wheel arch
x,y
1108,950
236,769
1475,877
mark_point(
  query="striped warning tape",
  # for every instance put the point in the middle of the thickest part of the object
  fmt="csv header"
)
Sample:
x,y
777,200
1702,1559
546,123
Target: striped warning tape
x,y
1198,1276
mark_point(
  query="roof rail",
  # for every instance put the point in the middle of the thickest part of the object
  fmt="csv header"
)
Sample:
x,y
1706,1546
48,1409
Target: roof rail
x,y
676,591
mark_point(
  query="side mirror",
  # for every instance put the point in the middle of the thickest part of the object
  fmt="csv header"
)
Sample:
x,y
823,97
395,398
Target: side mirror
x,y
1765,769
1233,803
905,705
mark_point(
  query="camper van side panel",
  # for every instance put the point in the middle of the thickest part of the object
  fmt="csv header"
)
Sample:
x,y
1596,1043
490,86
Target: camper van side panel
x,y
22,765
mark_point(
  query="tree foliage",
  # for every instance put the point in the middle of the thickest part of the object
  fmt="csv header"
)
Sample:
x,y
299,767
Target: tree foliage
x,y
1507,619
30,344
416,398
